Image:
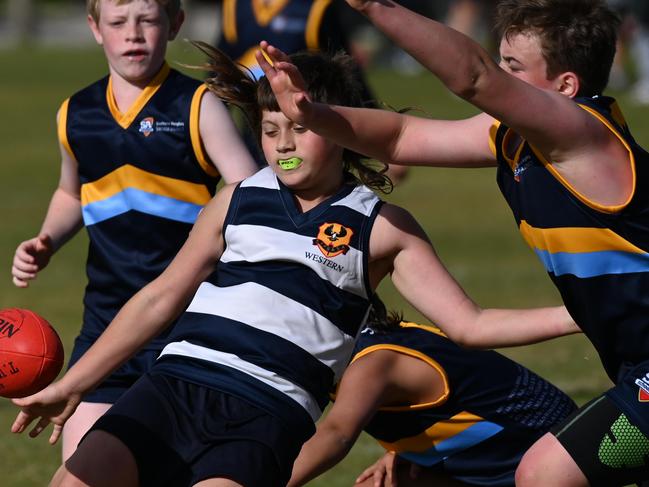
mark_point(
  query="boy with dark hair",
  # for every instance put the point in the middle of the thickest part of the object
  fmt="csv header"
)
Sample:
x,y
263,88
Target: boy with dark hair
x,y
575,178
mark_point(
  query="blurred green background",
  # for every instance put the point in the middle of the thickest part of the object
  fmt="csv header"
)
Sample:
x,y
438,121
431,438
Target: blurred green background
x,y
462,211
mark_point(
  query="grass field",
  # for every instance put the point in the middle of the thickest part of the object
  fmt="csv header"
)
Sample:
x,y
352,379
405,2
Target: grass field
x,y
461,210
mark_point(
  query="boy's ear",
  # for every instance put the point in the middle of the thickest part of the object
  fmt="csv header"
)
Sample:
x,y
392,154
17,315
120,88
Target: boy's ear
x,y
95,30
568,84
176,24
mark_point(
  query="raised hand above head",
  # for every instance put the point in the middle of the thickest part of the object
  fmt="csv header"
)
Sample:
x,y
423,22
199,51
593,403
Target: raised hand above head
x,y
286,82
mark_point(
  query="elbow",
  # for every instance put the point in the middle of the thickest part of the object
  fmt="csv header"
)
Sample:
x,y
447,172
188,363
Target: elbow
x,y
465,333
474,79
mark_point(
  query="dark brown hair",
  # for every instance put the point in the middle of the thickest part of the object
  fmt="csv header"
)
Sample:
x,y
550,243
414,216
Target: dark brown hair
x,y
575,35
329,79
380,319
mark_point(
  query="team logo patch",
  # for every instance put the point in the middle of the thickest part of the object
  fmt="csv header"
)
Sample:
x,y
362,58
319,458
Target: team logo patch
x,y
643,392
147,126
333,239
523,164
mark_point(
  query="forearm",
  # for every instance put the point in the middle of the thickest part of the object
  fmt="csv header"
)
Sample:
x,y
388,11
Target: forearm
x,y
324,450
495,328
371,132
454,58
143,317
63,219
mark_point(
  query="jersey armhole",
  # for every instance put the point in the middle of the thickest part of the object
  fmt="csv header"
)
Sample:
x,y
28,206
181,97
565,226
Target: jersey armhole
x,y
610,209
418,355
62,128
195,133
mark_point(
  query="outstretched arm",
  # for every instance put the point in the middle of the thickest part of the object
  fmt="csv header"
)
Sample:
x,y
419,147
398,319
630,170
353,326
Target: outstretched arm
x,y
382,134
551,121
152,309
400,246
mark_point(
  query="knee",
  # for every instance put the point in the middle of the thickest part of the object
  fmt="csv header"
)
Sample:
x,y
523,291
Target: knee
x,y
528,473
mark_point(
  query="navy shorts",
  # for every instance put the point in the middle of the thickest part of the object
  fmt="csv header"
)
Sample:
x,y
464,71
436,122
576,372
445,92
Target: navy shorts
x,y
605,438
116,384
182,433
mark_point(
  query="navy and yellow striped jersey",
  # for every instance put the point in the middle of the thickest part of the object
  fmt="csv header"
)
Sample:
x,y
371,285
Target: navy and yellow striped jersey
x,y
597,256
276,322
291,25
144,177
491,410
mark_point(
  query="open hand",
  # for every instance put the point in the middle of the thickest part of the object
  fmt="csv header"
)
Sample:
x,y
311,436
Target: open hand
x,y
286,82
52,405
383,472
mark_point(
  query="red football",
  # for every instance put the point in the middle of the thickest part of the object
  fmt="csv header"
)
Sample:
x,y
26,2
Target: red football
x,y
31,353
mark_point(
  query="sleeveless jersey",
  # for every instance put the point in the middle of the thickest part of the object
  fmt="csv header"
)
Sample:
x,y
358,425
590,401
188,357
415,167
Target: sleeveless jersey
x,y
144,177
276,322
291,25
597,256
492,409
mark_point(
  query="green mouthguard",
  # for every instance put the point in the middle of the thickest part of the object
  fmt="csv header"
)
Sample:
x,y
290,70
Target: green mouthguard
x,y
291,163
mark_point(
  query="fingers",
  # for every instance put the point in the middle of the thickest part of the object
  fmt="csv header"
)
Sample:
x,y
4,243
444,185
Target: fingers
x,y
56,434
20,283
21,422
275,54
38,429
263,63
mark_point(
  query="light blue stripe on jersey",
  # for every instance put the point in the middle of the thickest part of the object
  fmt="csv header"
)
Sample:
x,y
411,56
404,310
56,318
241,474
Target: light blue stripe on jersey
x,y
469,437
249,303
593,264
295,392
142,201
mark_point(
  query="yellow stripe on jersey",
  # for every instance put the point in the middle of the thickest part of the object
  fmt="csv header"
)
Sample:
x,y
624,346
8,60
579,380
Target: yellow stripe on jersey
x,y
230,21
132,177
126,119
435,434
575,239
195,133
62,128
314,21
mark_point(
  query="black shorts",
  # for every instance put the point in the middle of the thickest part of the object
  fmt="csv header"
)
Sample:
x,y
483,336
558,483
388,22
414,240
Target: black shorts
x,y
181,433
608,448
116,384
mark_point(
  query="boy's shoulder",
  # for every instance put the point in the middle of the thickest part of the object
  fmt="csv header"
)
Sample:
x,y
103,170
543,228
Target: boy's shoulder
x,y
168,76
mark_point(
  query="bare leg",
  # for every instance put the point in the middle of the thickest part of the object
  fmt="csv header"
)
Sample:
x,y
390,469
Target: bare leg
x,y
101,460
79,423
217,483
548,463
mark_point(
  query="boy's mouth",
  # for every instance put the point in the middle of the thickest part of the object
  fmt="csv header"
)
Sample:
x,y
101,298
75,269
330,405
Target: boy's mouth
x,y
290,163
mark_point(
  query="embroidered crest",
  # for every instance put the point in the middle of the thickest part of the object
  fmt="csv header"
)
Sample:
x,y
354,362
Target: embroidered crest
x,y
333,239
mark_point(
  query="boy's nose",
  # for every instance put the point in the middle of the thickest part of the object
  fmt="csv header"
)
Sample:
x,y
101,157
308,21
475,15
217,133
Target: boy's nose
x,y
133,31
